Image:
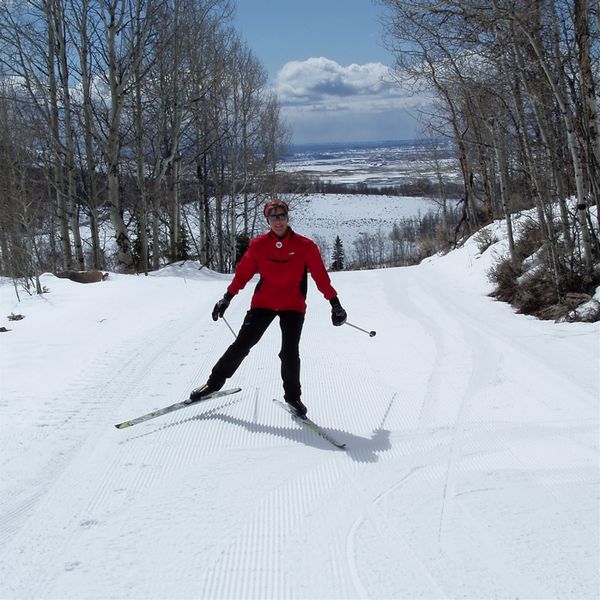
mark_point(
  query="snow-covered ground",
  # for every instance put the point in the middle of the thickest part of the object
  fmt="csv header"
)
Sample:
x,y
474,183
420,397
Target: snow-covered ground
x,y
471,468
376,164
349,215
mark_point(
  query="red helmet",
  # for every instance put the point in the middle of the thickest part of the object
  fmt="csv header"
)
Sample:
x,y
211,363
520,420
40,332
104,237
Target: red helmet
x,y
272,205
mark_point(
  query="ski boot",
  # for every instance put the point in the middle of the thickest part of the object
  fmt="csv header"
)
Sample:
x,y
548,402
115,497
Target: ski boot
x,y
298,407
199,393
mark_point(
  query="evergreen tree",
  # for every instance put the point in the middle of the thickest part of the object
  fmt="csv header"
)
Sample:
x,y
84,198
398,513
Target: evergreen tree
x,y
183,244
338,257
242,241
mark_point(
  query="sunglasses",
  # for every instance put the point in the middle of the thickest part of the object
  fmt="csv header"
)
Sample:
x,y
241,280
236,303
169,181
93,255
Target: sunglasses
x,y
281,217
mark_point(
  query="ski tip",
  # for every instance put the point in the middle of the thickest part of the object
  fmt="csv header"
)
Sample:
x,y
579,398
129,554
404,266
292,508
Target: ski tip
x,y
122,425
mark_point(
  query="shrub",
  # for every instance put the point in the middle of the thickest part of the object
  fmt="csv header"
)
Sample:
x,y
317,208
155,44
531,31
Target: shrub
x,y
535,292
484,239
528,239
533,286
504,275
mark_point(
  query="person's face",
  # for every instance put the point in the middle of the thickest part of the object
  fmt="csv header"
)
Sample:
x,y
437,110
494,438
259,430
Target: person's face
x,y
278,221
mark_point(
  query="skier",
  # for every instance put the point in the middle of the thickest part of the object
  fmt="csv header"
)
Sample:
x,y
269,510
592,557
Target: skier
x,y
282,258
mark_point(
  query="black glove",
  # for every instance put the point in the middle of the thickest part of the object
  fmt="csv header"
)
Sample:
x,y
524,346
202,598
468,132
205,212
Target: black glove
x,y
221,306
338,314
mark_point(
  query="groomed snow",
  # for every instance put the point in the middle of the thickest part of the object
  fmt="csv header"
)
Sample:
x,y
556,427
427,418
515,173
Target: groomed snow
x,y
472,434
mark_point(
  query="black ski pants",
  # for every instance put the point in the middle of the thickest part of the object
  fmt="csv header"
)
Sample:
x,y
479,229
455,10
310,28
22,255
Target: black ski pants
x,y
255,324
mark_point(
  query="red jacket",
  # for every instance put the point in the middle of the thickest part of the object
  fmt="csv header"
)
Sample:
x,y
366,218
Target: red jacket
x,y
283,265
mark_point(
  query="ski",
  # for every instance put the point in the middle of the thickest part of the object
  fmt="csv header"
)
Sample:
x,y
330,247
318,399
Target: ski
x,y
177,406
308,424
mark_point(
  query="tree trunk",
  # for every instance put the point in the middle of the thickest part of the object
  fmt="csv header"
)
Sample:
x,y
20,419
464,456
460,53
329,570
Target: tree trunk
x,y
175,212
591,123
55,142
156,191
503,179
142,204
88,133
113,142
69,143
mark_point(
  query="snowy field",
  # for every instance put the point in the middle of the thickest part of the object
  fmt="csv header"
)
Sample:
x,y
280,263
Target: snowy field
x,y
471,468
375,164
349,215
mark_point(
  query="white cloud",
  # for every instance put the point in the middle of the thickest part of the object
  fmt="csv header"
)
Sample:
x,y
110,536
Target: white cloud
x,y
320,77
323,84
325,100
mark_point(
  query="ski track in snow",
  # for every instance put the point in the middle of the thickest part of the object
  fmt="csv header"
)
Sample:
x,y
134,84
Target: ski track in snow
x,y
446,470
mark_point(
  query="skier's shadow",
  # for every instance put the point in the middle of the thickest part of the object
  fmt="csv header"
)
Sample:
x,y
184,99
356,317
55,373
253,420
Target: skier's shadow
x,y
358,448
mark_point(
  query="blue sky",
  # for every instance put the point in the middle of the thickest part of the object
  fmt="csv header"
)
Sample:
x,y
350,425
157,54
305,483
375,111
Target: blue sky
x,y
326,60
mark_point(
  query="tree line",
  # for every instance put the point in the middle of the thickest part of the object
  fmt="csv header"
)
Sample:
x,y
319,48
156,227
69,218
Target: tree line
x,y
417,187
515,87
408,242
127,110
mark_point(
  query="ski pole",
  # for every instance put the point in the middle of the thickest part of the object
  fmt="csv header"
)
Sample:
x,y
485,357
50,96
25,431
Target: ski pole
x,y
228,325
371,333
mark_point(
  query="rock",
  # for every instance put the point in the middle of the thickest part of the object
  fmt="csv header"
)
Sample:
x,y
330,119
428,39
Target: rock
x,y
83,276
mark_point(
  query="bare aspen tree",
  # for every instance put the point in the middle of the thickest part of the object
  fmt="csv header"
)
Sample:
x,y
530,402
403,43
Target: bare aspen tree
x,y
252,87
28,35
65,79
124,43
205,75
424,59
242,142
534,90
8,217
164,148
113,16
274,136
590,117
189,40
435,165
137,115
499,145
55,133
177,88
555,76
19,195
80,15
